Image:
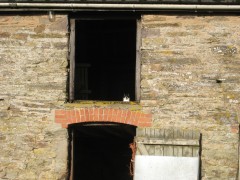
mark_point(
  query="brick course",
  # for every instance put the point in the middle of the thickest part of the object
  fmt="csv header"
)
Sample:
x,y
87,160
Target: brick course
x,y
66,117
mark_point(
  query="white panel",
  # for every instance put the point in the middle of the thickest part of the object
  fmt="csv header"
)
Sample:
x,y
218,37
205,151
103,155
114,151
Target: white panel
x,y
166,168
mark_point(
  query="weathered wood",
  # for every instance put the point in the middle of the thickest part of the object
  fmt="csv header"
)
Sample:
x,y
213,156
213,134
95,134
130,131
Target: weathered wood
x,y
140,132
142,149
169,133
72,60
187,151
152,132
138,61
178,134
159,150
151,149
178,151
148,132
195,151
167,142
182,142
159,133
168,150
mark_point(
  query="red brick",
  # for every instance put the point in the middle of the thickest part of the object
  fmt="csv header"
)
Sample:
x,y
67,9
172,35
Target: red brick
x,y
119,112
83,118
100,111
145,124
96,111
86,118
105,112
86,112
138,115
64,125
143,119
109,111
60,120
73,116
114,112
91,111
119,119
105,116
101,117
78,118
133,116
109,118
68,116
95,117
82,112
60,116
124,116
90,118
124,119
148,116
60,112
114,119
129,113
135,123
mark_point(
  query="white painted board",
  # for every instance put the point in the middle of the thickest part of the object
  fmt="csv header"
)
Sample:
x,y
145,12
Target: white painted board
x,y
166,168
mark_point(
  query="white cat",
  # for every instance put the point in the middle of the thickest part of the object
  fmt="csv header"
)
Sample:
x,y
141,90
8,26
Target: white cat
x,y
126,98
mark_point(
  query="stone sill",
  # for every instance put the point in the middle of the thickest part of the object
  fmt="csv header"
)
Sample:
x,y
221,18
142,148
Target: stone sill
x,y
132,106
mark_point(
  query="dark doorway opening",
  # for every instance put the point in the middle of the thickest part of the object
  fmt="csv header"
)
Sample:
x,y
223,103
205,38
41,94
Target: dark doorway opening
x,y
102,151
105,59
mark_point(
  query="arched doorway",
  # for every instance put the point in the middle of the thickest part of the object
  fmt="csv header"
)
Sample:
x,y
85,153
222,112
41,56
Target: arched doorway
x,y
101,151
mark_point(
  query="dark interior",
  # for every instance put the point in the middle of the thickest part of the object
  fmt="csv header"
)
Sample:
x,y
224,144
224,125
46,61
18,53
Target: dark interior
x,y
102,152
105,59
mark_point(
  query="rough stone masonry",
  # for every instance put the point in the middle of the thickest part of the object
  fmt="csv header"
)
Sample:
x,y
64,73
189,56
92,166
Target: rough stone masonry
x,y
33,60
189,79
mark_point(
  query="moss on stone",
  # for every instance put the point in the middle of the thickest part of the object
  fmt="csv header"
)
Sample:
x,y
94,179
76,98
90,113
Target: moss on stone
x,y
132,106
41,35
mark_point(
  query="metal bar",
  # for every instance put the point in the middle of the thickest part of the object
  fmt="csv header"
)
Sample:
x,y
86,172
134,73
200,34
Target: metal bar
x,y
75,6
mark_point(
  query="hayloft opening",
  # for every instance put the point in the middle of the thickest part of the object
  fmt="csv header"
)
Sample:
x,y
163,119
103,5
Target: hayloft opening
x,y
102,151
105,60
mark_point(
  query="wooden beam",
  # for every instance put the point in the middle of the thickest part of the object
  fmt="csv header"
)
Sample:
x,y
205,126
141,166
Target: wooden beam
x,y
72,60
177,142
142,149
138,60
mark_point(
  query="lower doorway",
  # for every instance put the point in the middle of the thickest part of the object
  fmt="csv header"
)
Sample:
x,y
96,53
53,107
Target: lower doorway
x,y
101,151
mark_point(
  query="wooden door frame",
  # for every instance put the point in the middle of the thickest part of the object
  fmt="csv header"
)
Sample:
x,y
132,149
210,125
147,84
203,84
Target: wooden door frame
x,y
72,51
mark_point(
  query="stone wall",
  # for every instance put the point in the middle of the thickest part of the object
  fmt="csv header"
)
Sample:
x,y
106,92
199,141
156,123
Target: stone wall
x,y
190,80
33,60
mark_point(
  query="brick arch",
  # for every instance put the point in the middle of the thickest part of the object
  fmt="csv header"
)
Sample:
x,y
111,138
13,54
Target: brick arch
x,y
136,118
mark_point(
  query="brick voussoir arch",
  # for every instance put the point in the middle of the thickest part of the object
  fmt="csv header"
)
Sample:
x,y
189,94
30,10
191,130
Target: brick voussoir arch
x,y
136,118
